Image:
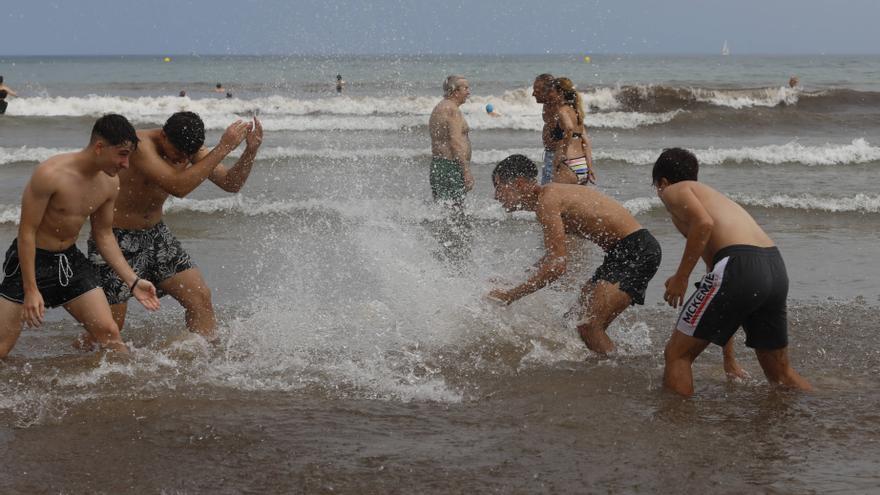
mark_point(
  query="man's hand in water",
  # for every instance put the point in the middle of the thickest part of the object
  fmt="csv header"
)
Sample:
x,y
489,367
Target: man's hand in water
x,y
145,293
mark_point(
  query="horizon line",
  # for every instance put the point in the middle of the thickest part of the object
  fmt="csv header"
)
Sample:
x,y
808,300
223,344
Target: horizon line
x,y
459,54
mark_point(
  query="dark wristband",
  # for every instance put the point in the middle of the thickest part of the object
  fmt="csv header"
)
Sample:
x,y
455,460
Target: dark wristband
x,y
134,284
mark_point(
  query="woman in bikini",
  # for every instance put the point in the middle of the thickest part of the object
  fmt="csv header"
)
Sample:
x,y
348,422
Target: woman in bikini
x,y
573,163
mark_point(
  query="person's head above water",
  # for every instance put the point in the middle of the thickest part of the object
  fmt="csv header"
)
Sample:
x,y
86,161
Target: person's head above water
x,y
185,131
675,165
516,183
456,86
338,77
541,86
512,168
218,86
115,130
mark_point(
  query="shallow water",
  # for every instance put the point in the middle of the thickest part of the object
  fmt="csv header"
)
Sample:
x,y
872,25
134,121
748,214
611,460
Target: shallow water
x,y
357,354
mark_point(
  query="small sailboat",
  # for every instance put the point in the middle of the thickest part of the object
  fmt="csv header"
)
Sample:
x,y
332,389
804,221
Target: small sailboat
x,y
725,50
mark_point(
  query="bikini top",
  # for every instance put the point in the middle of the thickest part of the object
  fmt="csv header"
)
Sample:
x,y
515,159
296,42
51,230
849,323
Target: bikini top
x,y
557,133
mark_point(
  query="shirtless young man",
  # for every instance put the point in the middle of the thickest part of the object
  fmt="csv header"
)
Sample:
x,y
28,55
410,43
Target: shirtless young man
x,y
171,161
632,255
551,135
450,146
746,284
45,268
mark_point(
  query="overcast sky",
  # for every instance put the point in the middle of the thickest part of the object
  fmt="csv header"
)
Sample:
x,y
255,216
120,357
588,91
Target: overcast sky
x,y
85,27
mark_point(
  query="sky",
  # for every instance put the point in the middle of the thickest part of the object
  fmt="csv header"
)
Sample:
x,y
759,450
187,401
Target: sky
x,y
328,27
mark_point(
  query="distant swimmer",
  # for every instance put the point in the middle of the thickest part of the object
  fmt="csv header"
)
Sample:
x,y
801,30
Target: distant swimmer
x,y
793,82
44,267
182,93
218,88
573,159
172,161
632,254
339,83
490,109
450,145
4,92
746,284
550,114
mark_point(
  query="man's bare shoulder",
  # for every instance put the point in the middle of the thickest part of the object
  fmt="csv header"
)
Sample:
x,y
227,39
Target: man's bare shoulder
x,y
54,168
446,108
552,197
146,146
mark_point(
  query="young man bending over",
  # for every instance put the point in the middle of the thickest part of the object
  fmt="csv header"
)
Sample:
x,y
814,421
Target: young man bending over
x,y
632,255
45,268
171,161
746,284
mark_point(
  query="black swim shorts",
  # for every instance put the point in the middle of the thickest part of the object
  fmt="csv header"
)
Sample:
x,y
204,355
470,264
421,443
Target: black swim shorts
x,y
632,262
61,276
154,254
748,287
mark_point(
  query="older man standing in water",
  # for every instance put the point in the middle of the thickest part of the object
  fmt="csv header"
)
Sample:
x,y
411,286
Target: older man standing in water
x,y
450,146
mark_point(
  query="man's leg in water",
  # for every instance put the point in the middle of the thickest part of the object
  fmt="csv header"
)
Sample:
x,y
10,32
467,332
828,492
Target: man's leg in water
x,y
85,342
680,353
91,309
731,366
777,368
10,325
603,303
191,291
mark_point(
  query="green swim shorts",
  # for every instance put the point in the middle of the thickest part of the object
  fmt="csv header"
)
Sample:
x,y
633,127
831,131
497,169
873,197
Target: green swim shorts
x,y
447,181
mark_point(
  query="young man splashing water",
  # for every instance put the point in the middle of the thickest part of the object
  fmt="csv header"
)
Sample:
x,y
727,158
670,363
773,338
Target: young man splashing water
x,y
632,255
44,267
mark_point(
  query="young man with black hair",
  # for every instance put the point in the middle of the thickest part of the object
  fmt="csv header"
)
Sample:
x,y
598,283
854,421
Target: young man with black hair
x,y
44,267
746,284
632,255
171,161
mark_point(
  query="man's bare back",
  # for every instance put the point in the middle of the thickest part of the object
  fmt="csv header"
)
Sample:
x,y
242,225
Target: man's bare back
x,y
731,224
587,212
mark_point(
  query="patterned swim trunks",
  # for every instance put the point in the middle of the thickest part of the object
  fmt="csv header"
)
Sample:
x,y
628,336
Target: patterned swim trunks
x,y
154,254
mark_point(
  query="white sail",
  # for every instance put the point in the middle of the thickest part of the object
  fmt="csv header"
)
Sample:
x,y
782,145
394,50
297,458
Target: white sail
x,y
725,50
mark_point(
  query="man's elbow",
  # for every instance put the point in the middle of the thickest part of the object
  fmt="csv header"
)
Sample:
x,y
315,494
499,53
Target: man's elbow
x,y
231,188
557,269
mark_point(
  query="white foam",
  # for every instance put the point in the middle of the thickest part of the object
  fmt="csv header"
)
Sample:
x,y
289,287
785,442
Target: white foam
x,y
746,98
860,203
283,113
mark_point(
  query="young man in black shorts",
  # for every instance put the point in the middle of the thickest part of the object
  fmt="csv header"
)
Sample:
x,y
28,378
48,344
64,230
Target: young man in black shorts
x,y
632,255
44,267
746,284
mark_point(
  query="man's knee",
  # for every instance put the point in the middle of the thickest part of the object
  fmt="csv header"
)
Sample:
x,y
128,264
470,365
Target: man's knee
x,y
198,298
676,349
105,331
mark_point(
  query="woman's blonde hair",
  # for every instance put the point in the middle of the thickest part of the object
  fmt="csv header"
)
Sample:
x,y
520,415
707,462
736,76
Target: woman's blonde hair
x,y
570,96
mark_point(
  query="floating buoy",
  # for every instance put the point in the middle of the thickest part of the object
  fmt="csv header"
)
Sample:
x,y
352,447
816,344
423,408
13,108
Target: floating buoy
x,y
166,59
586,59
